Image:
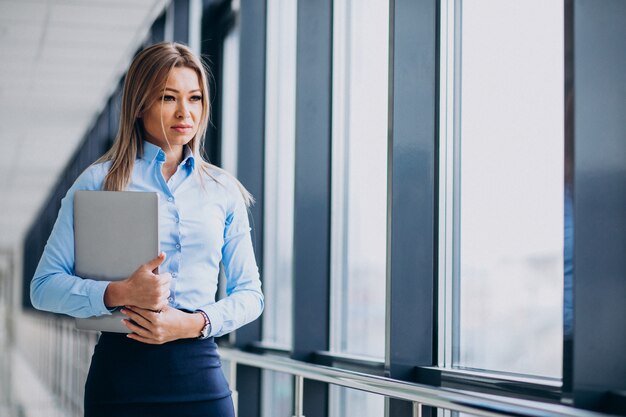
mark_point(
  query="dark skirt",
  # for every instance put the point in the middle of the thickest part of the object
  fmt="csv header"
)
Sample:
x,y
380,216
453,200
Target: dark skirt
x,y
182,378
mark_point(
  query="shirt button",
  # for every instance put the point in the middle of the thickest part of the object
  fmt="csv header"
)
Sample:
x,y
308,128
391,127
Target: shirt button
x,y
170,199
177,246
177,219
174,274
170,299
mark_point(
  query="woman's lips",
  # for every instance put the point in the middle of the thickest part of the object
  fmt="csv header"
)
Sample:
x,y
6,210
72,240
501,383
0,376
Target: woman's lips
x,y
182,129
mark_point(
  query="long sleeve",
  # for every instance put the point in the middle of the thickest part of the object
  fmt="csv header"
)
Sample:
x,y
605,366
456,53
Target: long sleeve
x,y
54,286
244,301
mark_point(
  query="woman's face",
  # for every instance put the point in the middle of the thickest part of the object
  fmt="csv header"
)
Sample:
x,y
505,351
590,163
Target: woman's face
x,y
176,114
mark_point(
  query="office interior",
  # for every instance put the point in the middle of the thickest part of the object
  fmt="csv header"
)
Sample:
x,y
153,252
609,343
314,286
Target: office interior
x,y
440,186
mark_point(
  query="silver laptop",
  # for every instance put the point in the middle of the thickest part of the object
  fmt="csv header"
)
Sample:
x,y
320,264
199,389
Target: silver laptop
x,y
114,233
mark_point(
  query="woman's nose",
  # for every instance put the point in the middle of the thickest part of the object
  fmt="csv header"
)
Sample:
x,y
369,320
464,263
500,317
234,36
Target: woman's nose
x,y
182,112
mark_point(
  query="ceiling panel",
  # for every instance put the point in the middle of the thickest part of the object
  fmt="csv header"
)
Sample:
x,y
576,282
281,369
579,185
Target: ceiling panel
x,y
95,14
62,58
24,51
21,11
100,36
141,4
12,33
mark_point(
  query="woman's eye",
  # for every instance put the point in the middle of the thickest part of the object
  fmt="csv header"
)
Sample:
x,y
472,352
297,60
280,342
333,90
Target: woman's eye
x,y
168,98
196,98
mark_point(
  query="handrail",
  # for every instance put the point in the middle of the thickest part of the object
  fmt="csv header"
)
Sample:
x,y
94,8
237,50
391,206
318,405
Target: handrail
x,y
451,399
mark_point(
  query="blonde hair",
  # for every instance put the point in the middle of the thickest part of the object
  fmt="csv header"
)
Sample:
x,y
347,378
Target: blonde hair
x,y
144,83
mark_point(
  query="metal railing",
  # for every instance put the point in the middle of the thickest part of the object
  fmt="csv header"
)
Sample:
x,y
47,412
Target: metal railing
x,y
60,355
420,395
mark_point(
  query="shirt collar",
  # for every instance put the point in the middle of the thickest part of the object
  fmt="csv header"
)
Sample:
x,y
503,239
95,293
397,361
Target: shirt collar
x,y
152,152
188,159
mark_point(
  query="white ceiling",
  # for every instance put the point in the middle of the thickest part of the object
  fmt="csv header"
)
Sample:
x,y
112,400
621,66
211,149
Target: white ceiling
x,y
61,60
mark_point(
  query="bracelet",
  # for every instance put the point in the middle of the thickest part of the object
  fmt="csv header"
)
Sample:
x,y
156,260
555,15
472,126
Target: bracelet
x,y
206,330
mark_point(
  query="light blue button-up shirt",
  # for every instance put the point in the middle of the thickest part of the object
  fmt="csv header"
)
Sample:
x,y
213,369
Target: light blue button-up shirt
x,y
202,222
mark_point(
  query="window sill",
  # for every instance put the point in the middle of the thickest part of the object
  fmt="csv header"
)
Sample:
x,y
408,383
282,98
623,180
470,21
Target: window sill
x,y
516,386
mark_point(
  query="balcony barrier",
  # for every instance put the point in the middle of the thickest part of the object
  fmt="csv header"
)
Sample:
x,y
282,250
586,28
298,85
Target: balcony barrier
x,y
420,395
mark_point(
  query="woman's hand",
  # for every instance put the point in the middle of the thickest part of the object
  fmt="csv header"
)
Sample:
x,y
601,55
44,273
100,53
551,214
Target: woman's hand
x,y
157,328
143,288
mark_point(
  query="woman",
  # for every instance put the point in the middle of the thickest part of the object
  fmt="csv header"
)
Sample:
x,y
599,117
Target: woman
x,y
168,364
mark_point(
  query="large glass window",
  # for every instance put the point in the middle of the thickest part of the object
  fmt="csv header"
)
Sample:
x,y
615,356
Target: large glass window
x,y
359,187
279,170
354,403
279,196
359,180
230,100
502,185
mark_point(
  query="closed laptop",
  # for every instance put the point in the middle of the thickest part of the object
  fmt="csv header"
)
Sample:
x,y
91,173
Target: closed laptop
x,y
115,232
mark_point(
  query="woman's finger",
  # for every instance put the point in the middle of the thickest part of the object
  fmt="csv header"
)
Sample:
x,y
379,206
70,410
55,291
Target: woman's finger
x,y
137,329
137,318
142,339
149,315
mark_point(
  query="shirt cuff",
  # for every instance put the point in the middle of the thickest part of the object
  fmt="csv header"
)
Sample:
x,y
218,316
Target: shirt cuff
x,y
96,298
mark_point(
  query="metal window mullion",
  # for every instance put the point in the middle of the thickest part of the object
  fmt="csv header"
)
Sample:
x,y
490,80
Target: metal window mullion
x,y
446,180
455,201
182,20
311,243
412,263
250,168
339,178
595,124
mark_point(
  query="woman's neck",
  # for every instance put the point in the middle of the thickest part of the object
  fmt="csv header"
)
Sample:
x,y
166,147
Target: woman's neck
x,y
173,155
173,158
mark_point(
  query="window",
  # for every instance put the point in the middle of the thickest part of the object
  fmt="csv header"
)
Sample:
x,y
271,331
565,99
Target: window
x,y
350,402
277,400
359,188
230,98
359,182
502,186
279,196
279,170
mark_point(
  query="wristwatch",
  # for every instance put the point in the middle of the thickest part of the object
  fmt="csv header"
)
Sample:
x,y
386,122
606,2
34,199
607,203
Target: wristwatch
x,y
206,330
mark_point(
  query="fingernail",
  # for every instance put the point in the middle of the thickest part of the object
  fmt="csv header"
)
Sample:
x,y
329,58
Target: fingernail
x,y
123,311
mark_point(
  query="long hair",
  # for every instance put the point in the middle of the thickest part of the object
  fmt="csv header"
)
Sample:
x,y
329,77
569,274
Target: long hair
x,y
144,84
